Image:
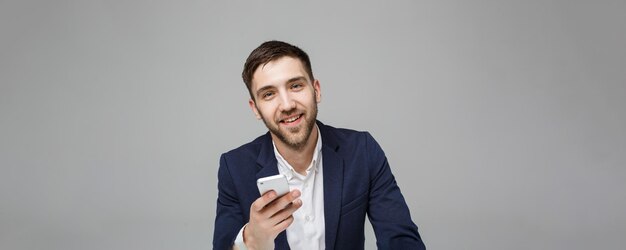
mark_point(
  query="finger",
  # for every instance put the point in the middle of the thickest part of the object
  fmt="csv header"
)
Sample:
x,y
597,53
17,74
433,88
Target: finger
x,y
286,212
262,201
283,224
282,202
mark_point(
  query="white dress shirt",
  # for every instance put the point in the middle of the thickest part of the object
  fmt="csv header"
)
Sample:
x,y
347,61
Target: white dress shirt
x,y
308,228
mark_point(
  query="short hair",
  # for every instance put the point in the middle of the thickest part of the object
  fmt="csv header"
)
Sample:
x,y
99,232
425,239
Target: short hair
x,y
269,51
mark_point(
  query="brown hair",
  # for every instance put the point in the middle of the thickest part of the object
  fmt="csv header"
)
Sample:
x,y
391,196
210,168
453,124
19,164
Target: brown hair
x,y
269,51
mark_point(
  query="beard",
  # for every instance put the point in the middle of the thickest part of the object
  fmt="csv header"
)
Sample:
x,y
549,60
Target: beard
x,y
294,138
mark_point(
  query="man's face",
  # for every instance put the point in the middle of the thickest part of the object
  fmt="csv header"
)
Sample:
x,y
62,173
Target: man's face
x,y
286,99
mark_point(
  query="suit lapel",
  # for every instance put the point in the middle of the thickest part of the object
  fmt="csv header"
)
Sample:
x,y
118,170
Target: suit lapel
x,y
267,164
266,161
333,184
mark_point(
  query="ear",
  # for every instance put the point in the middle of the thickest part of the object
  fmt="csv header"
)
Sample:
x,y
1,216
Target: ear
x,y
254,109
318,91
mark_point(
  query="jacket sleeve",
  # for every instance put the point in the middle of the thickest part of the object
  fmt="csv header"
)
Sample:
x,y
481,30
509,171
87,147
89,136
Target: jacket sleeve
x,y
228,217
388,211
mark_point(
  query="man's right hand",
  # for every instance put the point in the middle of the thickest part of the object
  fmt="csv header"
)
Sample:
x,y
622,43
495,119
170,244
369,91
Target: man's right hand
x,y
269,216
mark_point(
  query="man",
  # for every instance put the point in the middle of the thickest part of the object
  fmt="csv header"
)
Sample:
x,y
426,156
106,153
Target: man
x,y
336,176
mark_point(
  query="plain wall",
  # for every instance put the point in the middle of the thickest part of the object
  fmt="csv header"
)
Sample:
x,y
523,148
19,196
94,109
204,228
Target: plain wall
x,y
503,121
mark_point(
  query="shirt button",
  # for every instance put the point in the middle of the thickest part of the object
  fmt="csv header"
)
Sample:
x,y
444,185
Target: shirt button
x,y
307,218
306,185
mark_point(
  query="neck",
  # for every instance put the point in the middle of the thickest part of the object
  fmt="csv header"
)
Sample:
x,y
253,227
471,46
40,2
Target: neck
x,y
298,158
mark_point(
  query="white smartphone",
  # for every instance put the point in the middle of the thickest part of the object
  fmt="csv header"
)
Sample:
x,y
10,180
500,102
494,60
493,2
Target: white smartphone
x,y
278,183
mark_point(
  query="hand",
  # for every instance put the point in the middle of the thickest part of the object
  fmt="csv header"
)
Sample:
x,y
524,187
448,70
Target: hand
x,y
269,216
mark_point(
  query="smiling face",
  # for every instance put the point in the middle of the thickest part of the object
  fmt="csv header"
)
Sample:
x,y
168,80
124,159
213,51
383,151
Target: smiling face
x,y
286,99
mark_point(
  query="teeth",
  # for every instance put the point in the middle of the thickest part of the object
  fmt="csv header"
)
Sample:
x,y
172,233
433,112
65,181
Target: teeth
x,y
292,119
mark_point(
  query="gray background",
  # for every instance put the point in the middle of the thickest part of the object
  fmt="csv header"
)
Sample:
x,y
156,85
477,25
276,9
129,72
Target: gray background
x,y
503,121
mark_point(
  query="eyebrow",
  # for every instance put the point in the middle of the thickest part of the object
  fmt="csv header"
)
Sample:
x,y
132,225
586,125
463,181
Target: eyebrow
x,y
294,79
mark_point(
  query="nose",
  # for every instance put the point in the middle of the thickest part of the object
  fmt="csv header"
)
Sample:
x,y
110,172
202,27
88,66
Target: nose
x,y
287,103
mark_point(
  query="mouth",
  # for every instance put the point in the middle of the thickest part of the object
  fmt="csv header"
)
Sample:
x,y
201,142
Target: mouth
x,y
292,120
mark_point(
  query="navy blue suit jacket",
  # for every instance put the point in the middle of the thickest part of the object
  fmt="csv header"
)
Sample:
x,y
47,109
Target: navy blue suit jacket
x,y
357,182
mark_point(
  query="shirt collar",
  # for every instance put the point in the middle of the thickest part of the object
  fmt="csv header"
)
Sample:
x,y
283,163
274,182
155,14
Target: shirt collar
x,y
288,170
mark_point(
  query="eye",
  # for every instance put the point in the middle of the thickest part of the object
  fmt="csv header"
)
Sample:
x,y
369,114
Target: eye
x,y
297,86
267,95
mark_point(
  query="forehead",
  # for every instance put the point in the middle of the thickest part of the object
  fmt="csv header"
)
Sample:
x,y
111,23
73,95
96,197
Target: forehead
x,y
278,72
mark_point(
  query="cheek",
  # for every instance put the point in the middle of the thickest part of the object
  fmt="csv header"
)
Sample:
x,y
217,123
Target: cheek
x,y
310,99
266,110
